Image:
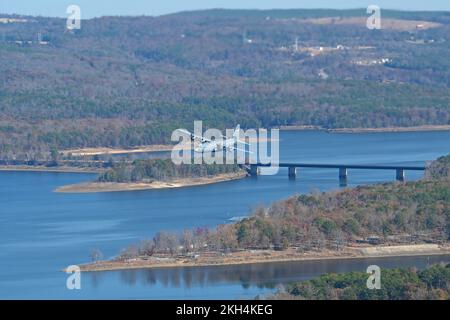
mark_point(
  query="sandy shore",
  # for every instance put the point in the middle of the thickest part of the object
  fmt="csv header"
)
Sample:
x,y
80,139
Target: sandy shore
x,y
301,128
50,169
140,149
90,187
112,151
267,256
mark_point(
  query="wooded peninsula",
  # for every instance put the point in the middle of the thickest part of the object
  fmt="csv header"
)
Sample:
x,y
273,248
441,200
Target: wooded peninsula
x,y
156,174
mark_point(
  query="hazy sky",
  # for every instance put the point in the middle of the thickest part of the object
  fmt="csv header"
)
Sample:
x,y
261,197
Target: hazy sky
x,y
95,8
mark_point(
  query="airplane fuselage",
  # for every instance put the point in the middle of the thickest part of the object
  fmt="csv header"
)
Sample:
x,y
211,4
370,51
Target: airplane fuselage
x,y
215,146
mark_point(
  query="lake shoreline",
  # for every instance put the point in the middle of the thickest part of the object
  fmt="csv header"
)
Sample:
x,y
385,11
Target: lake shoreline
x,y
94,187
168,148
270,256
151,148
424,128
57,169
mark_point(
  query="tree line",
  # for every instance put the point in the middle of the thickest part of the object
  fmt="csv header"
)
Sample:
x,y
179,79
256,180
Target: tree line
x,y
162,170
433,283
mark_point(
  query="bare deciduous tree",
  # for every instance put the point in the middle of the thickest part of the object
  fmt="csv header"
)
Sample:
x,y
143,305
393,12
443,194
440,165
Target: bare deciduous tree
x,y
96,255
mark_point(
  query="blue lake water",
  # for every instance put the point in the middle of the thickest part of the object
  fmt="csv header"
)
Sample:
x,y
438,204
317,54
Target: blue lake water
x,y
42,232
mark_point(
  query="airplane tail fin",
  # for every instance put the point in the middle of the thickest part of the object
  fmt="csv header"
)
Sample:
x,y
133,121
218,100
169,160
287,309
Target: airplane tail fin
x,y
236,132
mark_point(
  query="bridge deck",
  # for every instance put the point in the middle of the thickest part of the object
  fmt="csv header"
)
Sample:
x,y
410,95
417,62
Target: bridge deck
x,y
346,166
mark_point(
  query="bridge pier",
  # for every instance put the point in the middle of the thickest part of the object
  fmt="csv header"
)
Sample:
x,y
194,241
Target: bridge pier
x,y
254,170
400,175
343,175
292,172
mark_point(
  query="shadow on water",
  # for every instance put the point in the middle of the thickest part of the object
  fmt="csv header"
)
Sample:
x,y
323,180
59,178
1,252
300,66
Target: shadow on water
x,y
263,275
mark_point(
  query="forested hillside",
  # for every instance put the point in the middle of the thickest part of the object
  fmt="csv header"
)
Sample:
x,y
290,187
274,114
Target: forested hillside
x,y
397,284
126,81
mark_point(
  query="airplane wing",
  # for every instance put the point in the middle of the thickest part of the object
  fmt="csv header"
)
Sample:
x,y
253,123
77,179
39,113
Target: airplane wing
x,y
239,149
193,136
243,142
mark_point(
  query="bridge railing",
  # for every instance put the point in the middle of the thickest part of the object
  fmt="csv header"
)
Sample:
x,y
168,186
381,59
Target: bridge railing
x,y
343,168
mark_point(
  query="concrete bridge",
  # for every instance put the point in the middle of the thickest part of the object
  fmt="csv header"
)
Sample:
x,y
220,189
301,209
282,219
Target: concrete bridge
x,y
343,169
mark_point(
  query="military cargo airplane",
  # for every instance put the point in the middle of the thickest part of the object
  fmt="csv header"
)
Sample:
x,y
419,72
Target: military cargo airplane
x,y
224,144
